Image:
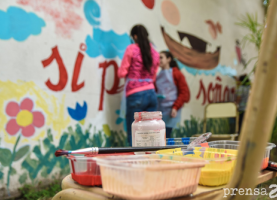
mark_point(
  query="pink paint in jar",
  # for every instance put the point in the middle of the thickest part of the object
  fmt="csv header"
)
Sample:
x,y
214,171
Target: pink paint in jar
x,y
148,129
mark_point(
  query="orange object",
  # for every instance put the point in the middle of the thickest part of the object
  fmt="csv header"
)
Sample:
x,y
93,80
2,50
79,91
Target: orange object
x,y
84,169
87,179
204,144
265,163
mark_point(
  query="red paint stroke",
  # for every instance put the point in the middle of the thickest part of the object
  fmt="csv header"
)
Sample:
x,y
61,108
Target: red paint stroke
x,y
213,93
62,12
210,92
218,78
217,94
238,50
115,88
232,96
149,3
219,27
63,77
74,85
226,94
214,28
202,90
83,47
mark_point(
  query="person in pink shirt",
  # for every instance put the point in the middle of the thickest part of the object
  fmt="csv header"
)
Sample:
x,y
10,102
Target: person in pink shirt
x,y
139,66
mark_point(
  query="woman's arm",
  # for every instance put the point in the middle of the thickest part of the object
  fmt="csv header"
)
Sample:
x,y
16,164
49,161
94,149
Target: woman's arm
x,y
183,89
125,63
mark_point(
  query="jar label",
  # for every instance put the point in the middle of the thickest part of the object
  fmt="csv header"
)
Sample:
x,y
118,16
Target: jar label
x,y
150,138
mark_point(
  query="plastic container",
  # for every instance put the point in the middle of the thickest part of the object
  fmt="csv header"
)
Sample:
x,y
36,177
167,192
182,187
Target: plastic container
x,y
84,169
219,169
226,144
148,129
179,141
150,176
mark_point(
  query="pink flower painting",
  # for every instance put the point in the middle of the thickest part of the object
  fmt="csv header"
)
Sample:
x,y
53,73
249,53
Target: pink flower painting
x,y
23,117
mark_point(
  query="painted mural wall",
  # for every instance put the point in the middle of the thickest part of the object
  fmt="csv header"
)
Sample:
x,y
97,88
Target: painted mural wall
x,y
58,63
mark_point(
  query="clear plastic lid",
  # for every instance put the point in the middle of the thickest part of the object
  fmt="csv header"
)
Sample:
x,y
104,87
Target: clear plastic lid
x,y
150,161
227,144
202,138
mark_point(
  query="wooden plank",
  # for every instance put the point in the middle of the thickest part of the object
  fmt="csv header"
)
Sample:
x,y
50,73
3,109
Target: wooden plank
x,y
266,176
202,192
68,182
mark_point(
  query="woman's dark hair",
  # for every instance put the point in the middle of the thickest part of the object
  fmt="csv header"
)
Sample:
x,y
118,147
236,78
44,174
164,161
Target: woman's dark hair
x,y
144,45
172,63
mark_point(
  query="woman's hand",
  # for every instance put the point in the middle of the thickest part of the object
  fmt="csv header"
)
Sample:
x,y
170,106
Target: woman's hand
x,y
173,112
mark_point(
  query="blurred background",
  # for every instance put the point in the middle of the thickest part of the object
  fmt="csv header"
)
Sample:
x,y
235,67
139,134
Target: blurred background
x,y
58,73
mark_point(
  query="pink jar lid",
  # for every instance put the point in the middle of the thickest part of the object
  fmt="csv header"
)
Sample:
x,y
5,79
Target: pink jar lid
x,y
148,115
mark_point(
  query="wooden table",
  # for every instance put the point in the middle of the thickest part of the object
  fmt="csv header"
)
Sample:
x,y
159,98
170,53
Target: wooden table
x,y
73,191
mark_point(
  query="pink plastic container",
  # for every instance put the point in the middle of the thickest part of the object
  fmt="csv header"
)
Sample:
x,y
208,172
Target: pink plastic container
x,y
150,176
148,129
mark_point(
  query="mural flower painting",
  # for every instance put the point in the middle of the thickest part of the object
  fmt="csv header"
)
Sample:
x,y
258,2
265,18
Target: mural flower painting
x,y
23,118
79,113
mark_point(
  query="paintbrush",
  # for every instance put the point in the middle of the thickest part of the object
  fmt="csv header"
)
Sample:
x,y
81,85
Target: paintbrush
x,y
272,166
103,150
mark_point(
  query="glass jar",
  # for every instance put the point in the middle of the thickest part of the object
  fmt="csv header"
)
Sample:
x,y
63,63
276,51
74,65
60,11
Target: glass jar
x,y
148,129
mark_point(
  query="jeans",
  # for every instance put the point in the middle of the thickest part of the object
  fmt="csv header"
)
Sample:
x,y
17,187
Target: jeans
x,y
168,131
138,102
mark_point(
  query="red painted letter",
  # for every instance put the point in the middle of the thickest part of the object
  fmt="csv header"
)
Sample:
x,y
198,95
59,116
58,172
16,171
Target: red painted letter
x,y
62,70
217,91
211,91
226,94
74,85
202,89
115,88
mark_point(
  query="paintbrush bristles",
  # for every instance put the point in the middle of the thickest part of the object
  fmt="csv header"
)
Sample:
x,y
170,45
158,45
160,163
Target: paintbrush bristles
x,y
61,152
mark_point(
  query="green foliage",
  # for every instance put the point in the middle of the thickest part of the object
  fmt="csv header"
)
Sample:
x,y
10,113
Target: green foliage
x,y
97,139
221,126
5,157
49,135
112,139
1,175
21,152
191,127
33,193
47,160
13,171
117,139
44,164
22,179
255,29
195,126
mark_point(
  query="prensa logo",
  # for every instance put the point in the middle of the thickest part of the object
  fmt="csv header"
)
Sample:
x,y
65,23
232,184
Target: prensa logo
x,y
248,191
